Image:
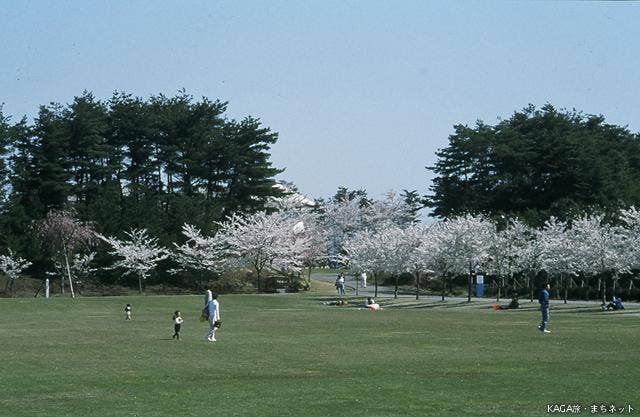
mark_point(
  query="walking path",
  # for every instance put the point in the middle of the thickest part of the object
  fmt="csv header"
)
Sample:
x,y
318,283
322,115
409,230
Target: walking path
x,y
354,289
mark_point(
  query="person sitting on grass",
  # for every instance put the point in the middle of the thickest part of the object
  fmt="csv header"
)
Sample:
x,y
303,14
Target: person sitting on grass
x,y
372,305
336,303
615,304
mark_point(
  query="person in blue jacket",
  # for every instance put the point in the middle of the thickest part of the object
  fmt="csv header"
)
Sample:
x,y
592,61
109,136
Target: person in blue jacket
x,y
615,304
543,299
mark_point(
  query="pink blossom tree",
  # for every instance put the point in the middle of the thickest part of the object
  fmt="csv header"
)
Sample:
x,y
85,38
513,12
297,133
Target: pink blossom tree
x,y
63,234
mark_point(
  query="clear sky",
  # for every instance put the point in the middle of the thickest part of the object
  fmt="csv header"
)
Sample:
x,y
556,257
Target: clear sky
x,y
362,93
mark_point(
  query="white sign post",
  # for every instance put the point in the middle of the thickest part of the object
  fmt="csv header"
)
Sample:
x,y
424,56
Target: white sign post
x,y
46,288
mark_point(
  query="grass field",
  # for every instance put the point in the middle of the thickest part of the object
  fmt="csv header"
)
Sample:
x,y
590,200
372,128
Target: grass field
x,y
289,355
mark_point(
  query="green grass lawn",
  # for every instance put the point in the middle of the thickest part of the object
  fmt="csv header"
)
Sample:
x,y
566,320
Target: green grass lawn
x,y
289,355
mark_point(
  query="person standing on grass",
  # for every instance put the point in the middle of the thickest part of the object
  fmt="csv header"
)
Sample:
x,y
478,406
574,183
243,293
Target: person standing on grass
x,y
363,278
543,299
127,312
340,284
213,311
177,323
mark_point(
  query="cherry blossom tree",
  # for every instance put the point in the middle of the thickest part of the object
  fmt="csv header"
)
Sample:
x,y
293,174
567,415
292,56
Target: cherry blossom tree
x,y
308,223
364,252
601,249
630,219
64,234
529,258
401,244
347,216
342,219
422,257
457,242
139,254
507,253
391,249
558,254
12,266
266,241
199,252
391,209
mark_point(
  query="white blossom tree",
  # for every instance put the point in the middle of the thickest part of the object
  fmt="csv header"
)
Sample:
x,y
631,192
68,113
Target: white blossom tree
x,y
602,249
391,209
507,253
422,259
401,245
12,266
342,220
199,252
558,250
457,243
529,258
630,219
364,252
350,214
266,241
139,254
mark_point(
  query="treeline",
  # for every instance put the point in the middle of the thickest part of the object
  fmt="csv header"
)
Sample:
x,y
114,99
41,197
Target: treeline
x,y
129,163
537,164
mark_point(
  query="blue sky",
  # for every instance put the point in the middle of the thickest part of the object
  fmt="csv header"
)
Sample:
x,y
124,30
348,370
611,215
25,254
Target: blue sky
x,y
362,93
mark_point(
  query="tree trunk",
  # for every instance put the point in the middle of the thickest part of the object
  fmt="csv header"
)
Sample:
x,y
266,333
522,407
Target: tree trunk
x,y
375,282
417,285
66,260
395,291
139,283
39,289
444,285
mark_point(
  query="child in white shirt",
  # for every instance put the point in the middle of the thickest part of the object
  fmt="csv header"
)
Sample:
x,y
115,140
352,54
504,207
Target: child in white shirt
x,y
177,321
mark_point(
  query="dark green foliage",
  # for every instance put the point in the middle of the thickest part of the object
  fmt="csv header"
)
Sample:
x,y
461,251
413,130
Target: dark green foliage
x,y
131,163
537,164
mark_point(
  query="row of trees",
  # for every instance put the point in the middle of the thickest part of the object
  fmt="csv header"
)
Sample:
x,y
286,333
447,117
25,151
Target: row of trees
x,y
381,237
584,252
292,232
129,163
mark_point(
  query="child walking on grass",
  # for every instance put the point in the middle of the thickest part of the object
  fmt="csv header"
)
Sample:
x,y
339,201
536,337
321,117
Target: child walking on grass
x,y
177,322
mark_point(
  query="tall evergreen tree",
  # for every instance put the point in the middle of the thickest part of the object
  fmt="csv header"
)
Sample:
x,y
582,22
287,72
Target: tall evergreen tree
x,y
5,139
50,157
537,164
250,181
90,152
